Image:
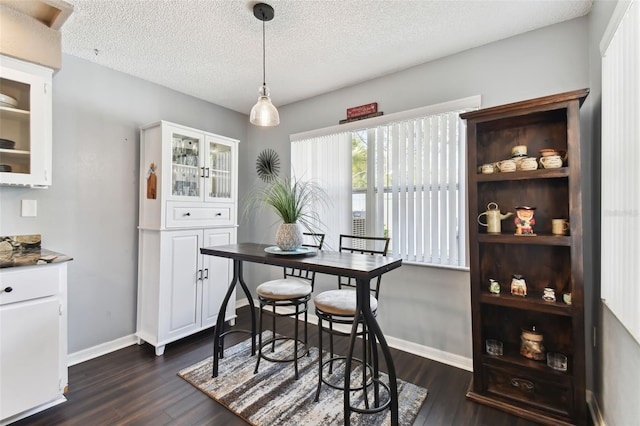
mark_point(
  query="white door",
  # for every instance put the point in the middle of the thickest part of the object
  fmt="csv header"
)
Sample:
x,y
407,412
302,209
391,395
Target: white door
x,y
182,296
29,354
217,274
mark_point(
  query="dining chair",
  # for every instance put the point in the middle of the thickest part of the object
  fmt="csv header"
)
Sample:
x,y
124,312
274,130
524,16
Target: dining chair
x,y
293,290
339,307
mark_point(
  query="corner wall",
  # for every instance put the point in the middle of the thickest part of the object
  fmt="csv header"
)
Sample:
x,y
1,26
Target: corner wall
x,y
424,305
91,210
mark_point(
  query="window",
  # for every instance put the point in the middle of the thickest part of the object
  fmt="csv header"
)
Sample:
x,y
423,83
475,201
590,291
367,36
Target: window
x,y
406,180
620,206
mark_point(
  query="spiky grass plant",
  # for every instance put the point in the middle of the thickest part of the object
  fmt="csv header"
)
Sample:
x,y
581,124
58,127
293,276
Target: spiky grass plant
x,y
293,200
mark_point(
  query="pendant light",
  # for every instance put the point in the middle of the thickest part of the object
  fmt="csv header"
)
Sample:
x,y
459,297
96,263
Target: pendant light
x,y
263,112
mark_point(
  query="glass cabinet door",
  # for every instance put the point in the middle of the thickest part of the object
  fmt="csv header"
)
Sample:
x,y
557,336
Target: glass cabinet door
x,y
220,183
25,123
15,137
186,167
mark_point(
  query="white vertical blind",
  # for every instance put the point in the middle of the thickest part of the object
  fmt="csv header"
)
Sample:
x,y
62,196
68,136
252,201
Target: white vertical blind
x,y
415,179
423,184
327,161
620,166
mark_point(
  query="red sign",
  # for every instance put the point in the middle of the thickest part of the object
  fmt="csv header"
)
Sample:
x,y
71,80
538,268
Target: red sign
x,y
362,110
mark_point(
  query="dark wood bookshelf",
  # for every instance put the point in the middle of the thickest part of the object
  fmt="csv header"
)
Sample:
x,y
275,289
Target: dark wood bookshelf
x,y
511,382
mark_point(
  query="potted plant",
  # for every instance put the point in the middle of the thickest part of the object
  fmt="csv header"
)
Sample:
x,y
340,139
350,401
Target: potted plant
x,y
295,202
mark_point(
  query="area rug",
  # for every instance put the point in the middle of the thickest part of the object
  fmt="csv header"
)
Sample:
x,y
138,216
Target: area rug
x,y
273,396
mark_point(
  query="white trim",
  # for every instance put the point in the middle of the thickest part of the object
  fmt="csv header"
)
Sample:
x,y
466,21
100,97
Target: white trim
x,y
427,352
469,102
594,409
101,349
437,266
614,22
32,411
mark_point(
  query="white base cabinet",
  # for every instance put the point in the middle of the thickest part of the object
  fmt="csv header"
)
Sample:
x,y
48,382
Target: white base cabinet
x,y
180,291
33,339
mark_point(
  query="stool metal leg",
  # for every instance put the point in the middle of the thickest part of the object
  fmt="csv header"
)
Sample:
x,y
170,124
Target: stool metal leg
x,y
317,398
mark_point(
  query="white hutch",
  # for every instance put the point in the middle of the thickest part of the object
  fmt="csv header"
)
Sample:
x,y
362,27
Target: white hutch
x,y
188,200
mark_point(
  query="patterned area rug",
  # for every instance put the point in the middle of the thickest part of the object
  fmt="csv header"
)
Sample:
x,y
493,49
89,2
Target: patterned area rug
x,y
273,396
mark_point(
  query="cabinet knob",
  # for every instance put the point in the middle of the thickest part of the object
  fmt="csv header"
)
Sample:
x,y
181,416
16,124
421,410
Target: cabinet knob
x,y
187,214
7,289
218,214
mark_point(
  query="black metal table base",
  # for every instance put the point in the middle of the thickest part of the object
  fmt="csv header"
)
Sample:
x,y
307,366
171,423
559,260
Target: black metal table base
x,y
219,334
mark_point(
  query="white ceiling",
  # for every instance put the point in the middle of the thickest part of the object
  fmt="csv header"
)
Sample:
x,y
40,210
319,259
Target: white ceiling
x,y
212,49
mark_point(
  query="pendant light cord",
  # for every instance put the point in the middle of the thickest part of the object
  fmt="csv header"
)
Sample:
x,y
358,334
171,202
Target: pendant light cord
x,y
264,79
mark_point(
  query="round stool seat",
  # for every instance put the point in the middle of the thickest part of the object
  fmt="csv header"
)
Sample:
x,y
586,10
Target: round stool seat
x,y
284,288
340,302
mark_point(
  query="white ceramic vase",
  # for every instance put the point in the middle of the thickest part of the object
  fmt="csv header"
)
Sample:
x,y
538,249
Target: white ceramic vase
x,y
289,237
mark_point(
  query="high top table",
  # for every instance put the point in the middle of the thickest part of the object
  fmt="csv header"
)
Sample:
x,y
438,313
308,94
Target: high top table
x,y
362,267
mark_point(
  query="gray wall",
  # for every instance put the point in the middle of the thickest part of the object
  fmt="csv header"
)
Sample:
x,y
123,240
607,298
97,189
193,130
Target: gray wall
x,y
423,305
91,210
616,359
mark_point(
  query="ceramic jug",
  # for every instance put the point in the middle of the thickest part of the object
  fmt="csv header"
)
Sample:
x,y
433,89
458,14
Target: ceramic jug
x,y
493,218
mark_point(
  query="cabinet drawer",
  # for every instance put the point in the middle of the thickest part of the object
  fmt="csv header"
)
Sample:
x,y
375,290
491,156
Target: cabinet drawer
x,y
197,214
29,283
553,394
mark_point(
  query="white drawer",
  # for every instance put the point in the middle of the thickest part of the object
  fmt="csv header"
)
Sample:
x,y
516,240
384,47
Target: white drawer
x,y
27,283
198,214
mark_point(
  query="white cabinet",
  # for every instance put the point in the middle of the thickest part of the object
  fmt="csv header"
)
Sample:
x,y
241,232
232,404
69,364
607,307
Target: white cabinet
x,y
33,339
25,123
188,177
188,200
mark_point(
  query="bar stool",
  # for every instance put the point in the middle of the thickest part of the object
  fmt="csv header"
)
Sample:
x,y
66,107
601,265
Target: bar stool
x,y
294,290
339,307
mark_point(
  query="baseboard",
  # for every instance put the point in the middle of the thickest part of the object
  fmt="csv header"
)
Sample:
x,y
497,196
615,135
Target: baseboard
x,y
32,411
400,344
101,349
594,409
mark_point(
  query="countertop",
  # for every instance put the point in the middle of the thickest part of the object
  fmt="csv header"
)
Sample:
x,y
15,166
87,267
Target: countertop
x,y
26,250
28,257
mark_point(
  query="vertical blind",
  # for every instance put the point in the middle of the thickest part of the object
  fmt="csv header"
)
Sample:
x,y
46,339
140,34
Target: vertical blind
x,y
326,160
620,166
415,179
419,187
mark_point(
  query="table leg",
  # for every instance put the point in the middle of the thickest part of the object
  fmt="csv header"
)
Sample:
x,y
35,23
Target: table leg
x,y
217,347
347,367
372,325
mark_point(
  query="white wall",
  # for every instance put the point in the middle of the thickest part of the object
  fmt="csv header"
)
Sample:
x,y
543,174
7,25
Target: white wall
x,y
91,210
429,306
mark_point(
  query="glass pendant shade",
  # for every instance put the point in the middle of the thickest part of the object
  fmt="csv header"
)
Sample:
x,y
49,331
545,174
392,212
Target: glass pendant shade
x,y
264,113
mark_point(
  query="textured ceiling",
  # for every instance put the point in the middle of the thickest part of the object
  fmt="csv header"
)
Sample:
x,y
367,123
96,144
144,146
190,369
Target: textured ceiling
x,y
212,49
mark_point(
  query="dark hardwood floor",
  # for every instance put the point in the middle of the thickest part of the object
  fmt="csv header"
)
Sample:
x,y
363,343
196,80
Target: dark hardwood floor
x,y
134,387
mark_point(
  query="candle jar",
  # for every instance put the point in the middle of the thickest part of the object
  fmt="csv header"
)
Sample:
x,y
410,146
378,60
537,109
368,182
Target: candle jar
x,y
531,345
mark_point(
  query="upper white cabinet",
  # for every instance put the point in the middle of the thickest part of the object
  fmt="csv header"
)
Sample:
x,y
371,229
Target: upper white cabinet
x,y
190,177
25,123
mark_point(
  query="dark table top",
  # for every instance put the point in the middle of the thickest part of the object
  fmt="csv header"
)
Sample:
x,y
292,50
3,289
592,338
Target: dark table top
x,y
363,266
